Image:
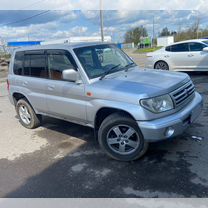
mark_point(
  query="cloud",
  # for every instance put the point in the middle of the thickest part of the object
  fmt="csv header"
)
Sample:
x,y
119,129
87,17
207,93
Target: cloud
x,y
45,31
90,14
10,17
107,4
63,24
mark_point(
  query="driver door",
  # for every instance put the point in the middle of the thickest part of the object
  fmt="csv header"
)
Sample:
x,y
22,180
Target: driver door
x,y
198,58
64,99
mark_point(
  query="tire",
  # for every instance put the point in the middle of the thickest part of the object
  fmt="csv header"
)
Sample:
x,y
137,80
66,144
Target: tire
x,y
33,120
116,146
161,65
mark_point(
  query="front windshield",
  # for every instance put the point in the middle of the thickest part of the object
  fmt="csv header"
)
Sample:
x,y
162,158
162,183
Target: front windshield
x,y
97,60
206,42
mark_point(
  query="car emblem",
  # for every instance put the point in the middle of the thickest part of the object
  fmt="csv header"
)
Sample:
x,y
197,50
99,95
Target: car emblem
x,y
186,92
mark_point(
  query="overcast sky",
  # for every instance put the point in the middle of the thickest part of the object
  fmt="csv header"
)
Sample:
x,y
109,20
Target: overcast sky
x,y
67,23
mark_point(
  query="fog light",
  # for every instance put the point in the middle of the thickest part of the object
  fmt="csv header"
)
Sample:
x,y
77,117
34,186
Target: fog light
x,y
169,132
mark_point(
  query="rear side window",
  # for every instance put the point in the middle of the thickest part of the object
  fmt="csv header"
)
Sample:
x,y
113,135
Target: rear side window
x,y
31,63
27,65
183,47
18,63
196,46
38,66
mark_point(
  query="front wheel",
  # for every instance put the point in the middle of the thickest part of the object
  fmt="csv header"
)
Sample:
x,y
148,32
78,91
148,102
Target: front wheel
x,y
120,137
161,65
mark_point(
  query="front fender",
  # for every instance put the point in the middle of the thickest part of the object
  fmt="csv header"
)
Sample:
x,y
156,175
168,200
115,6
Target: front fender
x,y
94,106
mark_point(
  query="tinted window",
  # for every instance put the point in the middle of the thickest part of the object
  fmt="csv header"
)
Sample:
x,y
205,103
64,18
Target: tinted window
x,y
168,48
183,47
18,63
27,65
196,46
38,66
59,61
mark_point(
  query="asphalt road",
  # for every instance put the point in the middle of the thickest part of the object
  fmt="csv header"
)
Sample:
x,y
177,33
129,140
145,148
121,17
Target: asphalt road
x,y
61,159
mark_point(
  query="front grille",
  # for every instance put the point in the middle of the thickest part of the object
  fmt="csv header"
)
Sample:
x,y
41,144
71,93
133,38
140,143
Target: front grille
x,y
183,94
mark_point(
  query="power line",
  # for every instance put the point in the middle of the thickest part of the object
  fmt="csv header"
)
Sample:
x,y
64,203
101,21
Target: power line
x,y
25,19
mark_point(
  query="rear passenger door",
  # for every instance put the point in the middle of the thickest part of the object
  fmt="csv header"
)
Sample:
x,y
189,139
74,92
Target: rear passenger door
x,y
31,77
64,99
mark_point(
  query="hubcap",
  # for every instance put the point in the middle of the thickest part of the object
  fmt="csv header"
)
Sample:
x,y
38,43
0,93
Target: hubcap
x,y
123,139
161,65
24,114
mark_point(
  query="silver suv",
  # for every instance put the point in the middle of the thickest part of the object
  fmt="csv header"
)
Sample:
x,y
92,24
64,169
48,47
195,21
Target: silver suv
x,y
98,85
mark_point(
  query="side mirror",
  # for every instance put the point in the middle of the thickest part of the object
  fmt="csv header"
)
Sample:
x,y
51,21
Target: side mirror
x,y
205,49
70,75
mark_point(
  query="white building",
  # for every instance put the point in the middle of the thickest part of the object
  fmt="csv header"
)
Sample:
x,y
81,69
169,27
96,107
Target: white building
x,y
77,40
165,41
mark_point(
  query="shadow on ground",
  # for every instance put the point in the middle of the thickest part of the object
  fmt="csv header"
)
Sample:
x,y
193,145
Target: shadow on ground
x,y
87,172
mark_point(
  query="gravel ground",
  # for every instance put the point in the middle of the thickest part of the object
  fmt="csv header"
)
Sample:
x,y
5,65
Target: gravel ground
x,y
61,159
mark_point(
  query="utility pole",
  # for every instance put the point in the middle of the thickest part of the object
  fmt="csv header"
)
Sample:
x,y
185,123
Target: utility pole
x,y
153,31
197,25
101,21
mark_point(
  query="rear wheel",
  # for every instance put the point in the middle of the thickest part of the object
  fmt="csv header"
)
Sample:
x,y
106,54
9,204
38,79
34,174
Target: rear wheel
x,y
27,115
161,65
120,137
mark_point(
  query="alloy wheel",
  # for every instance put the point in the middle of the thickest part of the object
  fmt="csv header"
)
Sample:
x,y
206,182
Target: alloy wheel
x,y
123,139
24,114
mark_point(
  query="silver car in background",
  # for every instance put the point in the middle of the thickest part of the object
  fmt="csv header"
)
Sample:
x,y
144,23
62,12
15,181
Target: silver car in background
x,y
99,86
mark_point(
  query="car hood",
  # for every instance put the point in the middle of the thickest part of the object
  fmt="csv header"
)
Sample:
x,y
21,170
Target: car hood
x,y
142,83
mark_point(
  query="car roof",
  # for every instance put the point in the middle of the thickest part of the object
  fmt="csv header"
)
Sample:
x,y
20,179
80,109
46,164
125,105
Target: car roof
x,y
189,41
61,46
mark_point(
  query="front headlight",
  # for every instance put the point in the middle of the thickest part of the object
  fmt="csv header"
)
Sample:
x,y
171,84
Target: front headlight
x,y
158,104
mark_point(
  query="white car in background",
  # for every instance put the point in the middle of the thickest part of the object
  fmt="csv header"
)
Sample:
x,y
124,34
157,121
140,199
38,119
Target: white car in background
x,y
191,55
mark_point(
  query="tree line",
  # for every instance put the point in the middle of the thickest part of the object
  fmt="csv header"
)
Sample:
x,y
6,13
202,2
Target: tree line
x,y
193,32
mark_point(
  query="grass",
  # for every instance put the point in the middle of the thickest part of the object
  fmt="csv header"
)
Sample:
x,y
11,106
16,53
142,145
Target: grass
x,y
147,50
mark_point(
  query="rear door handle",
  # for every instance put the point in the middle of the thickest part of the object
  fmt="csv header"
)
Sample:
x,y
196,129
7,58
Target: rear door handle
x,y
51,87
190,55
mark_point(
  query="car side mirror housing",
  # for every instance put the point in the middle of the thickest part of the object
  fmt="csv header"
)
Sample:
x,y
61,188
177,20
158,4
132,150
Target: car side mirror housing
x,y
70,75
205,49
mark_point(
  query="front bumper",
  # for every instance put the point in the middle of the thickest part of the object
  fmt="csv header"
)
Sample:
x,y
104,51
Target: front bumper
x,y
172,125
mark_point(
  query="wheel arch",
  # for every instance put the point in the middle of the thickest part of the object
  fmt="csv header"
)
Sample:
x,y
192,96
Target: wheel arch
x,y
18,95
104,112
161,61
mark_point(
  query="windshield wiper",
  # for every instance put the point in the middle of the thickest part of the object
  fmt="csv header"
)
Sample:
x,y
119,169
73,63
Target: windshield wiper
x,y
128,65
107,72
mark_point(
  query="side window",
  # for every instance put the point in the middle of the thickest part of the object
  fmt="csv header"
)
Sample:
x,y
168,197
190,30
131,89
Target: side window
x,y
27,65
183,47
196,46
18,63
38,66
168,48
59,61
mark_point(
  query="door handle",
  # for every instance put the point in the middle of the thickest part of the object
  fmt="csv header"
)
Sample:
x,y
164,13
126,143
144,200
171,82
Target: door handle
x,y
25,83
167,56
51,87
190,55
